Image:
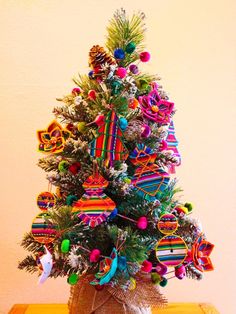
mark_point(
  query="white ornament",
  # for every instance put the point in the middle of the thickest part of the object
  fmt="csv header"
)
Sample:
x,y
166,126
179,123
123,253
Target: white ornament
x,y
46,262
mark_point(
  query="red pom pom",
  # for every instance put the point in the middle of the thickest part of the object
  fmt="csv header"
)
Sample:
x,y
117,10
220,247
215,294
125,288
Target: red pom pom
x,y
99,287
145,56
142,223
94,255
100,119
76,91
146,266
121,72
92,94
74,168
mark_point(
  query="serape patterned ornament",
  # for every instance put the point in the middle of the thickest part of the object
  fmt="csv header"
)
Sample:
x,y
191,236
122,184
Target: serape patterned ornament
x,y
155,108
107,269
148,177
43,230
172,144
171,250
108,145
201,251
94,206
53,139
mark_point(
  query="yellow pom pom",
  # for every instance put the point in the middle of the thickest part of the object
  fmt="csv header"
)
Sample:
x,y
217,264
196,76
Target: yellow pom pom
x,y
132,285
81,127
184,209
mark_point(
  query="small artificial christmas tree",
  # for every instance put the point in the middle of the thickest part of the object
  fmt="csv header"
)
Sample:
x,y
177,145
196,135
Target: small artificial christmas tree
x,y
114,226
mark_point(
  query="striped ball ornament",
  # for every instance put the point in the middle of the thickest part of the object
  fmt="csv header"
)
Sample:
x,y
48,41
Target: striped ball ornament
x,y
43,230
171,250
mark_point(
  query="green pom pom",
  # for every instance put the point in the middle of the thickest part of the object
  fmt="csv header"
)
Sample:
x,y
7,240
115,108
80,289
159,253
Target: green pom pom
x,y
116,87
70,199
164,282
143,84
81,126
65,246
156,278
63,166
189,206
73,279
127,180
130,47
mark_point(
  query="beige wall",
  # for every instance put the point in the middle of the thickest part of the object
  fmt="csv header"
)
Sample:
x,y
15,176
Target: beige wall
x,y
43,44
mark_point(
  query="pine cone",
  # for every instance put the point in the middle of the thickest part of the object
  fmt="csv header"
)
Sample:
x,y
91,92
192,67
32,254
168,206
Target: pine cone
x,y
98,56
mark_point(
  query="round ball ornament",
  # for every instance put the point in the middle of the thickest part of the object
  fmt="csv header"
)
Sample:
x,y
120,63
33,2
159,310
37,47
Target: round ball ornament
x,y
130,47
123,123
144,56
171,250
121,72
63,166
119,54
43,230
73,279
76,91
45,201
167,224
81,127
133,104
133,69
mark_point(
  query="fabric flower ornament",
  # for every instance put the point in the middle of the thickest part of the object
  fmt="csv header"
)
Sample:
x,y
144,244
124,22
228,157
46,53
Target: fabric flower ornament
x,y
155,108
53,139
107,269
201,250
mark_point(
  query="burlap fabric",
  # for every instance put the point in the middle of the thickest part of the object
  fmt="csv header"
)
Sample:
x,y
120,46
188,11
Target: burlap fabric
x,y
85,299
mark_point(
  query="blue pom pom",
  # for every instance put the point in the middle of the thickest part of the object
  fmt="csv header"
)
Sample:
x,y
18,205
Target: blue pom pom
x,y
119,53
122,263
112,214
90,74
123,123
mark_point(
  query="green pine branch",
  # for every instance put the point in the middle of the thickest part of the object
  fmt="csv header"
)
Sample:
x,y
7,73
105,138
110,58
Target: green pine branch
x,y
123,30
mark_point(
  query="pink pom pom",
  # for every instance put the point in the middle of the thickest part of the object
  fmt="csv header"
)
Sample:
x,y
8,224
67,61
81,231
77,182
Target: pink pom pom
x,y
76,91
163,145
142,223
121,72
92,94
145,56
180,272
146,131
146,266
94,255
161,269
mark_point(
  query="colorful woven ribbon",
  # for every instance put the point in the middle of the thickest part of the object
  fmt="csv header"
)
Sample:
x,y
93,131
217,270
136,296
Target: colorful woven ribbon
x,y
94,206
108,145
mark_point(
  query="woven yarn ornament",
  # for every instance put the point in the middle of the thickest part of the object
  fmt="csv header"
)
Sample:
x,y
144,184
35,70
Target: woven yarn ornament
x,y
52,140
94,206
45,201
43,230
201,251
148,177
172,144
155,108
108,145
171,250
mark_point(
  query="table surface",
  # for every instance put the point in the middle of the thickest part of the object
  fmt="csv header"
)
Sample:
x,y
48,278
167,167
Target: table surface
x,y
172,308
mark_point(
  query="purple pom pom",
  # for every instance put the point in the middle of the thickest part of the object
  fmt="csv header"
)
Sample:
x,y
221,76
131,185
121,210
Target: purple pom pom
x,y
133,69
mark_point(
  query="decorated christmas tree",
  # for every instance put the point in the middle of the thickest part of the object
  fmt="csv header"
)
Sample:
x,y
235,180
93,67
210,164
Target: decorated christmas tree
x,y
112,222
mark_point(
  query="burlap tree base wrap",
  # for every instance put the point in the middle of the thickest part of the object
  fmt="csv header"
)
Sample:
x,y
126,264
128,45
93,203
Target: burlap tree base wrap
x,y
85,299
